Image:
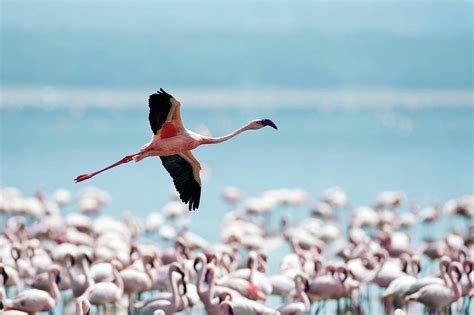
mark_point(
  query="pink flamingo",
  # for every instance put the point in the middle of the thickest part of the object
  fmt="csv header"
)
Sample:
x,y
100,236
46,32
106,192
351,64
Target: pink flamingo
x,y
104,293
34,300
80,282
328,286
168,304
136,279
238,305
437,296
173,143
82,306
299,307
209,296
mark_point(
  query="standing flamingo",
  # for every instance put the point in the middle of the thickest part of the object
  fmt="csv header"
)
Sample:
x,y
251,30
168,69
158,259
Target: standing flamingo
x,y
34,300
302,306
437,296
104,293
173,143
169,304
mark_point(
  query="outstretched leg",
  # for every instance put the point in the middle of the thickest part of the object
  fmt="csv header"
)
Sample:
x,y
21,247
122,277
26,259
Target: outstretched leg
x,y
83,177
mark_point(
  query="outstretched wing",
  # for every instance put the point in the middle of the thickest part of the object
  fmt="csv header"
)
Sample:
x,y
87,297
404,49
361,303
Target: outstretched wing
x,y
184,169
164,116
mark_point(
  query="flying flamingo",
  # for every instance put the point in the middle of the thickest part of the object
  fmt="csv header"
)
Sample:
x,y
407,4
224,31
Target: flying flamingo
x,y
173,143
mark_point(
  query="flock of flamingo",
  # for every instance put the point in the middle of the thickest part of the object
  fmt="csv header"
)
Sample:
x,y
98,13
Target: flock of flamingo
x,y
59,254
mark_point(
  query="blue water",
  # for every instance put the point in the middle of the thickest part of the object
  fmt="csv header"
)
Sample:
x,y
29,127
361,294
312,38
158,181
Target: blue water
x,y
427,153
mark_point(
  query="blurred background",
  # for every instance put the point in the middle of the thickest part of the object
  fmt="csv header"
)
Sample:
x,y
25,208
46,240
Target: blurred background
x,y
368,96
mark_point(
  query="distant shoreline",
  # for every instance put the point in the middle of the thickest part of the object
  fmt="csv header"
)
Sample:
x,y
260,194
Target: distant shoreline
x,y
268,97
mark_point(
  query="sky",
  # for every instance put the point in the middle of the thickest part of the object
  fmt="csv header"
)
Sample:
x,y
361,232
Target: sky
x,y
218,44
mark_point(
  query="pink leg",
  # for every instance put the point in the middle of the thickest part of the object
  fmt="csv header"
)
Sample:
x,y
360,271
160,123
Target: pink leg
x,y
83,177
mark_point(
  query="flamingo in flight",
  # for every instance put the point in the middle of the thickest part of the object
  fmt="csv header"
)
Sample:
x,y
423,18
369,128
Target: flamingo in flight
x,y
173,143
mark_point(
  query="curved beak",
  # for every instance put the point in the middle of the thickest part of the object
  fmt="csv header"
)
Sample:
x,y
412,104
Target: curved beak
x,y
268,122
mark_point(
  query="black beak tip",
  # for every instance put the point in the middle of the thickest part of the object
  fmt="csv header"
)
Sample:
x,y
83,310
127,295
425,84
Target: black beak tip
x,y
268,122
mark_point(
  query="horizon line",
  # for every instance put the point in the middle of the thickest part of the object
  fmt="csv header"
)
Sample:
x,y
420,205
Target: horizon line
x,y
50,97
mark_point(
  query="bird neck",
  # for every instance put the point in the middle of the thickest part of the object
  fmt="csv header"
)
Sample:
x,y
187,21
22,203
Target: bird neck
x,y
200,281
53,287
85,272
212,140
174,287
117,278
79,310
303,296
455,285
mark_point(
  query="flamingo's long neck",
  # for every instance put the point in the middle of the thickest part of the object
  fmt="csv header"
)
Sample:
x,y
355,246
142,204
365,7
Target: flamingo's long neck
x,y
79,310
302,295
445,276
53,287
69,270
174,287
211,285
379,268
118,279
455,287
212,140
85,272
200,280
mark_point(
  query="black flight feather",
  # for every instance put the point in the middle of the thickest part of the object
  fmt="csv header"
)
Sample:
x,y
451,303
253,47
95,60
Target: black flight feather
x,y
183,178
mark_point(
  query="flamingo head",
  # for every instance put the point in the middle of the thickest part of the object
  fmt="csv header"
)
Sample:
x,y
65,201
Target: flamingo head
x,y
444,263
302,278
86,257
318,265
260,123
457,268
55,271
380,256
330,269
3,274
210,273
468,266
343,273
416,263
211,257
70,261
199,260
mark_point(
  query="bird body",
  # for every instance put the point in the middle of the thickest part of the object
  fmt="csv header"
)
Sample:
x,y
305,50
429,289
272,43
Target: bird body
x,y
31,301
169,304
434,296
173,143
243,306
326,287
103,293
437,296
34,300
